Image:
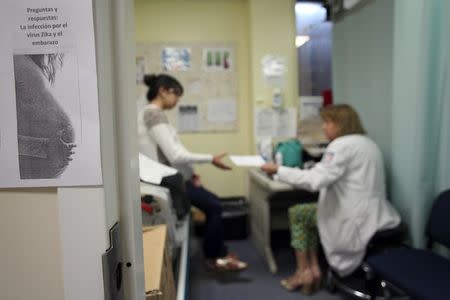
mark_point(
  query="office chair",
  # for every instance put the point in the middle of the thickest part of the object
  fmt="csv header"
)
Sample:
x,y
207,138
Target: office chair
x,y
361,283
421,274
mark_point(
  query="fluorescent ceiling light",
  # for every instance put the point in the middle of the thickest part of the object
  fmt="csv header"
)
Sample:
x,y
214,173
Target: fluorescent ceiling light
x,y
300,40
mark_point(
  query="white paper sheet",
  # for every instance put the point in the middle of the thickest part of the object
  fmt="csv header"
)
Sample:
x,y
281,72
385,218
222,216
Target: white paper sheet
x,y
274,69
188,118
221,111
275,123
310,106
247,160
153,172
49,117
287,123
265,122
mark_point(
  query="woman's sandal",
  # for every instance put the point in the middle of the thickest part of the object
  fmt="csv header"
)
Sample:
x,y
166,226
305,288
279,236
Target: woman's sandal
x,y
226,264
288,284
300,280
317,275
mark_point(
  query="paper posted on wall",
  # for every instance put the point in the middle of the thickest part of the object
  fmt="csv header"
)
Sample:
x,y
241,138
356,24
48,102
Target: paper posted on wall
x,y
275,123
188,118
310,106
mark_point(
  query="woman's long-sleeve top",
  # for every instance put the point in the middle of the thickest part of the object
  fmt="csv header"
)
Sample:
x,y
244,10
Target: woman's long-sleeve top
x,y
160,141
352,204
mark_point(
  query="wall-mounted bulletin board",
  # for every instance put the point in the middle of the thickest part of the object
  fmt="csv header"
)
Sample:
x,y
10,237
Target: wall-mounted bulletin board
x,y
208,74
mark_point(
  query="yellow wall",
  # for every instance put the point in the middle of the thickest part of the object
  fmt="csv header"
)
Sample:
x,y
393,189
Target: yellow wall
x,y
257,27
272,31
214,21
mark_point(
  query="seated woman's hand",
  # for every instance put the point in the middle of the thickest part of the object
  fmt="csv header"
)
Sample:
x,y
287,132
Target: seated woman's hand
x,y
270,168
217,162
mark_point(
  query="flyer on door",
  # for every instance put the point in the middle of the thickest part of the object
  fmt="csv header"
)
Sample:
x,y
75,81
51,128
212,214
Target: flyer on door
x,y
49,119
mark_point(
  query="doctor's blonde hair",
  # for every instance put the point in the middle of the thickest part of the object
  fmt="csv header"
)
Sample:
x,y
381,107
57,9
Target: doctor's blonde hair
x,y
345,117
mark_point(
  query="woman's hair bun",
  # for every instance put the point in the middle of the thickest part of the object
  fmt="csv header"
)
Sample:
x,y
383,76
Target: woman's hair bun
x,y
150,79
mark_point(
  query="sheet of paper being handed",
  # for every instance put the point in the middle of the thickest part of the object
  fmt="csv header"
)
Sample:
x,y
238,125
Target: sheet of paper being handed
x,y
247,160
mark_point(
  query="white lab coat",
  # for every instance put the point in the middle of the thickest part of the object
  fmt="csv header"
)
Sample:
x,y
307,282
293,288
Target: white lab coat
x,y
352,202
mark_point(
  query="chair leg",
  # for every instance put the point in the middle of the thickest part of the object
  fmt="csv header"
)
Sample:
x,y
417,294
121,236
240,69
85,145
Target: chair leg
x,y
386,292
371,283
379,289
391,292
334,283
330,283
374,288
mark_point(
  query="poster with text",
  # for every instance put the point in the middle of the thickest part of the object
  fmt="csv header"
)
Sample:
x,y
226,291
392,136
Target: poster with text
x,y
49,120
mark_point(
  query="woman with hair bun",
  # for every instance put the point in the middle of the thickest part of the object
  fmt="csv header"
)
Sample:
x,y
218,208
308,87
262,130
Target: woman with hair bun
x,y
160,141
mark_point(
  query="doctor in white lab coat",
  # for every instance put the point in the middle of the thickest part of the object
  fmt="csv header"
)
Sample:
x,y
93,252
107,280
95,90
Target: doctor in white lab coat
x,y
352,204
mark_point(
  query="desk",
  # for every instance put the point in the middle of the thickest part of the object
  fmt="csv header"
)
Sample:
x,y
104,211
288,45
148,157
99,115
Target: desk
x,y
268,203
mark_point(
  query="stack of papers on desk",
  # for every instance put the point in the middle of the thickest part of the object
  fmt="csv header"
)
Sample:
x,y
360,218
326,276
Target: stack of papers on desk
x,y
247,160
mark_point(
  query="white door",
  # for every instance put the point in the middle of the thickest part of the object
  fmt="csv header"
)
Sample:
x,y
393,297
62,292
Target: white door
x,y
54,239
98,209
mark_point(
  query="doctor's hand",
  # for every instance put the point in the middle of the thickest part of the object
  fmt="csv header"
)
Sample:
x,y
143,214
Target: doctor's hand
x,y
217,162
270,168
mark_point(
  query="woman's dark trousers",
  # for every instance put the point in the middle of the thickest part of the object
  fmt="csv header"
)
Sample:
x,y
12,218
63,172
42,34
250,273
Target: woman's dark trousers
x,y
209,204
